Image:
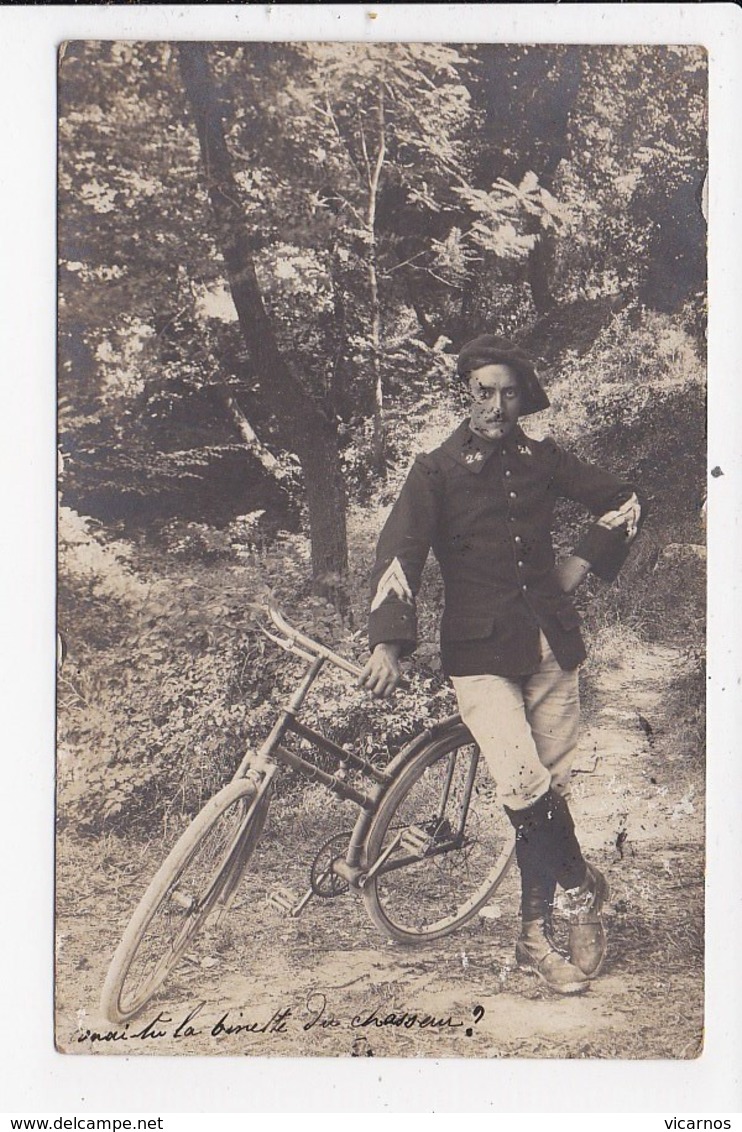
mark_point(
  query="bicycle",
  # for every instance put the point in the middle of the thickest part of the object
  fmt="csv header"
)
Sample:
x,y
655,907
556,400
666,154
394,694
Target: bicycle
x,y
429,847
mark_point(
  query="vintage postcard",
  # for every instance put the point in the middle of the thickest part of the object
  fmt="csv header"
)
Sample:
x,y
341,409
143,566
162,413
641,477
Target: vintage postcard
x,y
381,364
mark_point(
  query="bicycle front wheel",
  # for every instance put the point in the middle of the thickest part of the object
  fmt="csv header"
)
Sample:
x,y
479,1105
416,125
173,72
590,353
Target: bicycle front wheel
x,y
439,845
181,895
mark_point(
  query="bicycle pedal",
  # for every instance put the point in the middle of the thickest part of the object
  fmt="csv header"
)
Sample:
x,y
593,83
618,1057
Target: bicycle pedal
x,y
414,839
283,899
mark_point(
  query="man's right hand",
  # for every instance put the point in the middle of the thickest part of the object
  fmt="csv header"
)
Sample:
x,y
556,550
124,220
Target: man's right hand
x,y
382,674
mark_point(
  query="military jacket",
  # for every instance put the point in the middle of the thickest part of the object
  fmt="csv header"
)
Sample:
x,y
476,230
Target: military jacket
x,y
486,509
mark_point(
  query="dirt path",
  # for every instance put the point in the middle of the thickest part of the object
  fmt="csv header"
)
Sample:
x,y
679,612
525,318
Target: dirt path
x,y
321,985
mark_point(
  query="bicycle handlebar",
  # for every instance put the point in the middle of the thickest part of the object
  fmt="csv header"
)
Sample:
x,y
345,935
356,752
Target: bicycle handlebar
x,y
306,644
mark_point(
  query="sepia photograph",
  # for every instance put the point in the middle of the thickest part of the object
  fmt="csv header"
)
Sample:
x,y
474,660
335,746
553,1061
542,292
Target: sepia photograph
x,y
381,592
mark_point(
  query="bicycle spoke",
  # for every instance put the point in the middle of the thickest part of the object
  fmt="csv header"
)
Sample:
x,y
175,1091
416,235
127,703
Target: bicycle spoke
x,y
445,807
181,897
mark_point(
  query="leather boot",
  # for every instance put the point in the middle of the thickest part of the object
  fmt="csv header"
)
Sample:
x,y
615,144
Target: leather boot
x,y
537,893
583,907
545,841
536,951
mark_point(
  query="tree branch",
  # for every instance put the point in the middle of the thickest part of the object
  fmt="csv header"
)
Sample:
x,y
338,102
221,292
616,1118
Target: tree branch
x,y
329,113
364,151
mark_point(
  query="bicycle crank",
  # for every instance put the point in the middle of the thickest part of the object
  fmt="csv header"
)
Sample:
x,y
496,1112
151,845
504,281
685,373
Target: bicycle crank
x,y
326,882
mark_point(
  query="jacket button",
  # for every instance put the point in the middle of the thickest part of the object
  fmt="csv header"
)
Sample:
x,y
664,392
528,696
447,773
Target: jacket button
x,y
520,564
508,473
518,539
524,586
513,494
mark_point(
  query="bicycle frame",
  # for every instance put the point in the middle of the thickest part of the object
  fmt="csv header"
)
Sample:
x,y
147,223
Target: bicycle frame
x,y
355,869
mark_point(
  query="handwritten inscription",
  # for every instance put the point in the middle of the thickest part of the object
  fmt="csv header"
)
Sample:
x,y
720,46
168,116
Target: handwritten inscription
x,y
317,1007
276,1024
405,1019
316,1014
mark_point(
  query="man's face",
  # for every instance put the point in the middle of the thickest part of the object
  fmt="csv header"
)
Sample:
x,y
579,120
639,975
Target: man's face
x,y
497,401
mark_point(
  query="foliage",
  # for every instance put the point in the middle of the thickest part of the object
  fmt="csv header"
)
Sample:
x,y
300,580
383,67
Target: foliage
x,y
637,138
504,205
166,678
639,387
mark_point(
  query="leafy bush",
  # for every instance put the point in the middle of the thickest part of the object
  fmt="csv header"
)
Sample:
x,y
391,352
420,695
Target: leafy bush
x,y
166,679
630,397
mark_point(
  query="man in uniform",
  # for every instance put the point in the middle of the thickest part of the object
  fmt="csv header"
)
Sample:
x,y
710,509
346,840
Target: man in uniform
x,y
510,637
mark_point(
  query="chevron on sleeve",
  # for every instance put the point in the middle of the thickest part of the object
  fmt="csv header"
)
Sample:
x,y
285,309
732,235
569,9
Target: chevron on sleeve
x,y
393,583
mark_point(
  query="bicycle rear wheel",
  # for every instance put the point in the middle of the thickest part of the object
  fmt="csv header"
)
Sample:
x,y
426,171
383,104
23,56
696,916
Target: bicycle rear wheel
x,y
181,895
439,845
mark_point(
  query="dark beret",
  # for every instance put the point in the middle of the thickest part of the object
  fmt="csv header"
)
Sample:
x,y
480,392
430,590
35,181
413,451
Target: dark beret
x,y
492,350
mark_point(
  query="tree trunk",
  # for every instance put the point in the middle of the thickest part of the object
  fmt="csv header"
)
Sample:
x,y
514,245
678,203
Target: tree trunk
x,y
301,425
540,261
379,424
325,488
429,331
337,394
374,176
